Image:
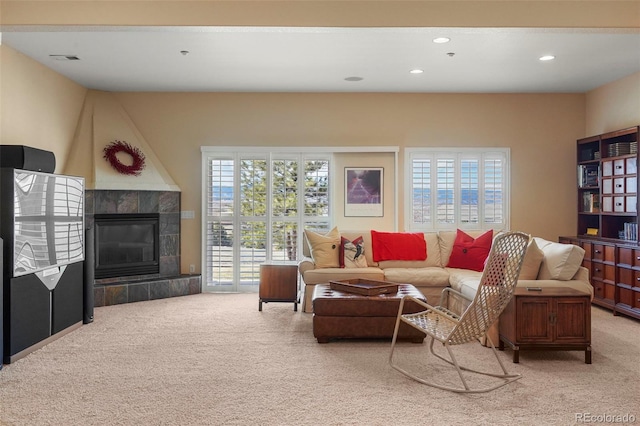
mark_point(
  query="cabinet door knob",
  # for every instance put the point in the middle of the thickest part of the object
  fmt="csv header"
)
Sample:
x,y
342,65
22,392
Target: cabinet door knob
x,y
618,186
637,257
598,251
598,269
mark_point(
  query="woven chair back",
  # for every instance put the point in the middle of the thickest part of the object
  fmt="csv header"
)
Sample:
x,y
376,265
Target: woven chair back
x,y
496,288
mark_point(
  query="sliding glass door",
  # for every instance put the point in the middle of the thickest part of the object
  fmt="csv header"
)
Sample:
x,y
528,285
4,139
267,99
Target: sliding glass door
x,y
256,206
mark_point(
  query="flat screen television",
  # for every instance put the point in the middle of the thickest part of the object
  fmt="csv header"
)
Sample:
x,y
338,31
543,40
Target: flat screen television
x,y
43,217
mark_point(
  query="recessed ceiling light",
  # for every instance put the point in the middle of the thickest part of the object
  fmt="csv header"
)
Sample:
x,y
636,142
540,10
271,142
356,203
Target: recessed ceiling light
x,y
547,58
354,78
441,40
416,71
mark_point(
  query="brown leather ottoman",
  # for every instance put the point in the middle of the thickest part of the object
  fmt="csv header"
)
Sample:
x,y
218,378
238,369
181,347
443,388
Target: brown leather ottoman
x,y
343,315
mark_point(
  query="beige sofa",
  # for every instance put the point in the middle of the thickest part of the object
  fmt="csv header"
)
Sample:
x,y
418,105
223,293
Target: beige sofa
x,y
547,264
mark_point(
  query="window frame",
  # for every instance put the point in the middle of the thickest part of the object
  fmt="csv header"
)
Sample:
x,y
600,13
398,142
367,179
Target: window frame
x,y
457,155
268,154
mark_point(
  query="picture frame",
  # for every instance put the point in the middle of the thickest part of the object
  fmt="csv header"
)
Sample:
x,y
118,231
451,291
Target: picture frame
x,y
363,191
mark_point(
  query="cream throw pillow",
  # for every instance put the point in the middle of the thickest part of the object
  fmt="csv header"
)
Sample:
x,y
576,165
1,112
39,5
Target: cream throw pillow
x,y
561,261
532,261
325,248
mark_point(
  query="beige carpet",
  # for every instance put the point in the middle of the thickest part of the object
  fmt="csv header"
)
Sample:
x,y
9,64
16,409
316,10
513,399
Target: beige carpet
x,y
213,359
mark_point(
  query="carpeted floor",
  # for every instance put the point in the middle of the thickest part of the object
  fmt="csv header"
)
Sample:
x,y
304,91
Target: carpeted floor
x,y
213,359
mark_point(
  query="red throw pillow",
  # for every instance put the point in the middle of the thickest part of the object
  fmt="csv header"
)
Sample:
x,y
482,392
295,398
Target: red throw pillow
x,y
398,246
470,253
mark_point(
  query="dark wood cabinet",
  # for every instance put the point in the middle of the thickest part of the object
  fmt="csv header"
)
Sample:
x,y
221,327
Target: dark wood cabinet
x,y
608,218
627,291
278,283
603,273
557,318
614,271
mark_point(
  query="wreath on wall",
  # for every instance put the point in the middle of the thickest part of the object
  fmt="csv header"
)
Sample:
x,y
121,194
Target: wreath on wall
x,y
137,157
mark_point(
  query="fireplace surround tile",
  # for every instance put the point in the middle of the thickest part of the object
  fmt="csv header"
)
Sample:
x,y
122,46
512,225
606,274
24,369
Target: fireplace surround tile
x,y
148,201
141,291
170,223
169,202
127,202
116,295
169,244
160,290
179,287
169,266
138,292
98,296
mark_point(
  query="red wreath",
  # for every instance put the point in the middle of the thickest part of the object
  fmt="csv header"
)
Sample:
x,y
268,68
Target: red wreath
x,y
137,156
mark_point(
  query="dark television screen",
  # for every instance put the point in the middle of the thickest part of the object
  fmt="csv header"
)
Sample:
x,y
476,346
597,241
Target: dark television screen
x,y
48,221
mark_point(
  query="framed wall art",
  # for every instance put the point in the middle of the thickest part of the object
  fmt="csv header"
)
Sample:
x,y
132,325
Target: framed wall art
x,y
363,193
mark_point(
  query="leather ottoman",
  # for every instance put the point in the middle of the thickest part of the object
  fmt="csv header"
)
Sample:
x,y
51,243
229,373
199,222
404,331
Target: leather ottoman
x,y
343,315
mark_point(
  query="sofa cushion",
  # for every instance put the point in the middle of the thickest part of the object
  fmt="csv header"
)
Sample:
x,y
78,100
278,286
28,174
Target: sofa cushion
x,y
433,276
324,248
352,253
561,261
324,275
532,261
469,252
465,281
398,246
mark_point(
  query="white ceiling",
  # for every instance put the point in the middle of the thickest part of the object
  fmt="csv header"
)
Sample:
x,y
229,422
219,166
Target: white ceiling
x,y
296,59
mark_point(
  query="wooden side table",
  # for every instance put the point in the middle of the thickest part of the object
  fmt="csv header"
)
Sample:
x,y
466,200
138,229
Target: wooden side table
x,y
279,283
554,318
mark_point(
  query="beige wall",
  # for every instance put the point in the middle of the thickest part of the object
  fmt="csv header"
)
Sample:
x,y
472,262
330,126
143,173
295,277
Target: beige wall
x,y
38,107
614,106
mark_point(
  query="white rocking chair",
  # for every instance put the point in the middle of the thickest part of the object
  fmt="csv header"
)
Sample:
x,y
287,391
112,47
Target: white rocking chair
x,y
496,288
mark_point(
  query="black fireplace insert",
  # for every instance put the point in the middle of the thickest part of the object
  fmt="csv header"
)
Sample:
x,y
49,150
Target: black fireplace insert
x,y
127,244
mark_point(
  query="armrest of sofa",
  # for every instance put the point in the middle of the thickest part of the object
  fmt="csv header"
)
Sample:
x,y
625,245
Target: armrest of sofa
x,y
454,300
580,281
306,264
449,297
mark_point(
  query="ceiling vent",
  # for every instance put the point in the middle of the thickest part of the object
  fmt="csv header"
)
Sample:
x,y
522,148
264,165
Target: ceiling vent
x,y
64,57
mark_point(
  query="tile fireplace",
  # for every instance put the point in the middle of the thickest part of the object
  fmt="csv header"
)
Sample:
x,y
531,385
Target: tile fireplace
x,y
137,236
